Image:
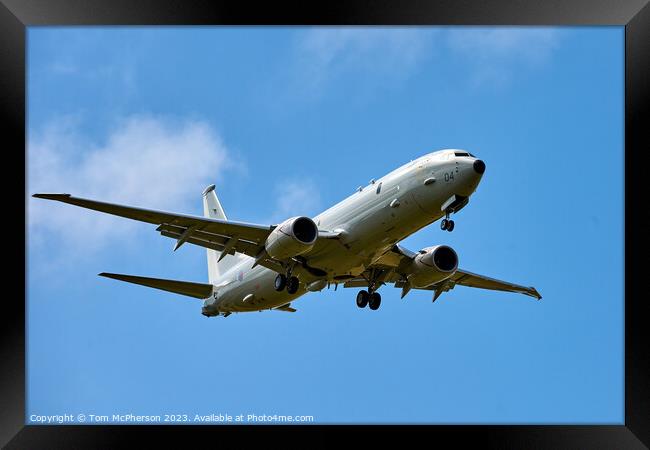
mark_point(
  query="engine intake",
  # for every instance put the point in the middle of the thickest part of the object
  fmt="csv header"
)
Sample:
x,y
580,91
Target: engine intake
x,y
291,238
433,264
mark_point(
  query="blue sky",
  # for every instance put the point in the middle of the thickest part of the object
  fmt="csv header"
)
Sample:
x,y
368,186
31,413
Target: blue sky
x,y
289,121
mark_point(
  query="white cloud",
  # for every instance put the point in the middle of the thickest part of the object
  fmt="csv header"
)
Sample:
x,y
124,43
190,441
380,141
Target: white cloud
x,y
380,54
496,53
296,197
147,161
384,56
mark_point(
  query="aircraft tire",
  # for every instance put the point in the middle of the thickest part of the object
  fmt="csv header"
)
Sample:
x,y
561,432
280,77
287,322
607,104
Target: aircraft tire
x,y
292,285
450,226
280,282
443,224
362,299
374,301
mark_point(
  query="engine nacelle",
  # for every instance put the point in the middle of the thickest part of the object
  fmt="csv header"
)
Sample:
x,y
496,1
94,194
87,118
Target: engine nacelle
x,y
291,238
433,264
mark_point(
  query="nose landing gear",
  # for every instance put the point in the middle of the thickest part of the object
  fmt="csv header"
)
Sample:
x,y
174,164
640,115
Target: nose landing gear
x,y
447,223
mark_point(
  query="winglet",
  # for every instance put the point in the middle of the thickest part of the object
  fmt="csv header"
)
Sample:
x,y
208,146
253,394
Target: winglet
x,y
51,196
533,293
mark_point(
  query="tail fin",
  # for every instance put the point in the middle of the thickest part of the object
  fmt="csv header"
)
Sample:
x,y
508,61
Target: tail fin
x,y
212,208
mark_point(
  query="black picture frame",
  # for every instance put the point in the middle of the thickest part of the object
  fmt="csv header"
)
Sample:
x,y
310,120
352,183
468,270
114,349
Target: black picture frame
x,y
16,15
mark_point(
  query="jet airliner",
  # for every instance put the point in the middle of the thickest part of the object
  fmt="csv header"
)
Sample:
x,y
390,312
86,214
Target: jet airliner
x,y
355,243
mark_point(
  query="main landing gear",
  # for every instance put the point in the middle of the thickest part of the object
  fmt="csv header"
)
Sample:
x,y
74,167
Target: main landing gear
x,y
447,223
291,283
372,299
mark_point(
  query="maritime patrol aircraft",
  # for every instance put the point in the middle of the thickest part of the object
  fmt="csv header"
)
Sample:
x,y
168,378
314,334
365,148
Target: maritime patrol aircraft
x,y
355,243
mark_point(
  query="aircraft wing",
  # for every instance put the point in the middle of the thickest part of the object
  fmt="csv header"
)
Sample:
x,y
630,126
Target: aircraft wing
x,y
387,270
469,279
221,235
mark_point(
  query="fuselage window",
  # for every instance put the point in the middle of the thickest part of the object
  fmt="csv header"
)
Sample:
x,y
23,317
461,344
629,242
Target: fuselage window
x,y
379,188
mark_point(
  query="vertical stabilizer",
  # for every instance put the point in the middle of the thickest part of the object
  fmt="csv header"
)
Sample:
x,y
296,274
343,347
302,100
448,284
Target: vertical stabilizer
x,y
212,209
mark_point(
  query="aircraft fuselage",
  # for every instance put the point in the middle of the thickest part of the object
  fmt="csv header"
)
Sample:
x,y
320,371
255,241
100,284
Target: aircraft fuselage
x,y
371,221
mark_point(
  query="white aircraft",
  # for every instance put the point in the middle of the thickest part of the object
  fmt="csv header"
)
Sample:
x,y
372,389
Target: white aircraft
x,y
354,243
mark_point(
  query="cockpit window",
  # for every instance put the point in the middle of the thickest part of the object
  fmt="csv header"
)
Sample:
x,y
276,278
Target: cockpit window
x,y
379,188
462,154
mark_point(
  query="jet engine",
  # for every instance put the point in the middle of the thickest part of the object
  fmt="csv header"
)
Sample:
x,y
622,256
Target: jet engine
x,y
291,238
431,265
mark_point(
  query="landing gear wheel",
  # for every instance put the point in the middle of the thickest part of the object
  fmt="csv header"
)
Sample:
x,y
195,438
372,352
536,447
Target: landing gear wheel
x,y
450,225
292,285
280,282
444,224
362,299
374,301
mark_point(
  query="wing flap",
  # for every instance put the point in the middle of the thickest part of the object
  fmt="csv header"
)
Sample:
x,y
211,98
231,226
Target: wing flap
x,y
188,288
211,240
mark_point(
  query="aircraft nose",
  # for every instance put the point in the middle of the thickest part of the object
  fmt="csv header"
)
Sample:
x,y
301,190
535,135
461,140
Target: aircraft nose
x,y
479,166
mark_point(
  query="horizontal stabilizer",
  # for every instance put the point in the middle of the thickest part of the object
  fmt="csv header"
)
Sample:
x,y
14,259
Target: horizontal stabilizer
x,y
197,290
